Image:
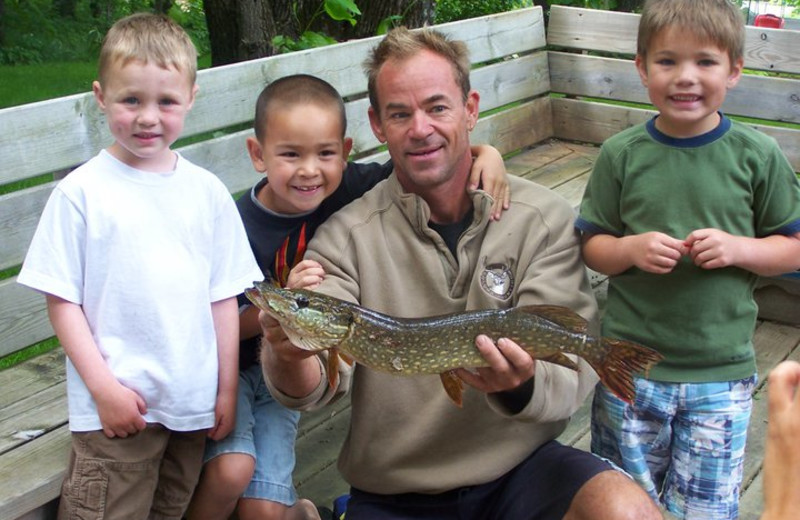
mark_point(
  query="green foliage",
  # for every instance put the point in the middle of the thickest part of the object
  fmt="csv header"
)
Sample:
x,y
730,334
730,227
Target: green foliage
x,y
35,33
189,14
607,5
451,10
338,10
342,10
307,40
34,82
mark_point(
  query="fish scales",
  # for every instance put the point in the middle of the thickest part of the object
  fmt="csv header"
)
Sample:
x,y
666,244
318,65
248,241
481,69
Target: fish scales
x,y
441,344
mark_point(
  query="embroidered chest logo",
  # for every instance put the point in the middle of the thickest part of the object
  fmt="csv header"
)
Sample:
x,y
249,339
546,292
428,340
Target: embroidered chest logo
x,y
497,280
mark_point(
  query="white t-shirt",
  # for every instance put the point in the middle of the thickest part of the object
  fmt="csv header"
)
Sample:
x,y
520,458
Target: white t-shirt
x,y
145,254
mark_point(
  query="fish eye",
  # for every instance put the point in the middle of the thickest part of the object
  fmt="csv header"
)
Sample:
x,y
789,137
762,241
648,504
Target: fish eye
x,y
301,301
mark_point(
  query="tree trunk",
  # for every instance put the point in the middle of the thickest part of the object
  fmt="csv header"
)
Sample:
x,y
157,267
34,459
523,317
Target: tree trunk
x,y
239,30
243,29
416,13
630,6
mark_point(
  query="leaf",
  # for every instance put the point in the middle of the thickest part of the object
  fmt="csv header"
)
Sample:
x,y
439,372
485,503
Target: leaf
x,y
342,10
311,39
387,23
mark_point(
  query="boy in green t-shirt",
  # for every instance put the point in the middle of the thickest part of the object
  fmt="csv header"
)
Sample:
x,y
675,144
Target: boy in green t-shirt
x,y
684,213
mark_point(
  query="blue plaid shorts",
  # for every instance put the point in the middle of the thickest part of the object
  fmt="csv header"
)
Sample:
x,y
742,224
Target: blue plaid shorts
x,y
683,442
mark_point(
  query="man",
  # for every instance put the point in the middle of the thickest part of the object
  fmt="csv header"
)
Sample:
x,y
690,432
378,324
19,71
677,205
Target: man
x,y
418,245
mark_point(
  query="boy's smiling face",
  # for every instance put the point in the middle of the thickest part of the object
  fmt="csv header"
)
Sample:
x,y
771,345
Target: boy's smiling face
x,y
687,80
303,155
146,106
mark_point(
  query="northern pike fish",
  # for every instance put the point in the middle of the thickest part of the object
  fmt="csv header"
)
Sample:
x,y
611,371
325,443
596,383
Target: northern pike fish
x,y
441,344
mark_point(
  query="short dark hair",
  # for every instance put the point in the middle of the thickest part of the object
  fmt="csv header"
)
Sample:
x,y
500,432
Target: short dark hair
x,y
296,89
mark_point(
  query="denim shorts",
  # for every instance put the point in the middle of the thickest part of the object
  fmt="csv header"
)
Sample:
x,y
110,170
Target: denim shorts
x,y
265,430
682,442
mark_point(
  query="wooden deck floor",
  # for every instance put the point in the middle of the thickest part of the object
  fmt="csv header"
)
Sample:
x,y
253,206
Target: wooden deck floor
x,y
564,167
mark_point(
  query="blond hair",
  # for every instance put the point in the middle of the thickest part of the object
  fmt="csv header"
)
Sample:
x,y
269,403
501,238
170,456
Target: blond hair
x,y
715,21
401,44
148,37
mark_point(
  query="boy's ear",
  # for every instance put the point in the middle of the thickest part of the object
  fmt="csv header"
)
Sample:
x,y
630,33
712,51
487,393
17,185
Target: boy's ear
x,y
375,123
256,154
97,90
347,147
195,89
736,72
641,68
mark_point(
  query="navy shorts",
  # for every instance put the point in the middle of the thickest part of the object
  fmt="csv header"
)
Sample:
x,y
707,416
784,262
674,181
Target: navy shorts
x,y
540,487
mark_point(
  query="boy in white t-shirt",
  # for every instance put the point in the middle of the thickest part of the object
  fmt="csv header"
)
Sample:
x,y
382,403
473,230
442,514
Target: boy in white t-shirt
x,y
141,255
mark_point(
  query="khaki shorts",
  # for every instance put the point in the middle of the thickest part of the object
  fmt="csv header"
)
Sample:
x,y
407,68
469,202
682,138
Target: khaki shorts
x,y
151,474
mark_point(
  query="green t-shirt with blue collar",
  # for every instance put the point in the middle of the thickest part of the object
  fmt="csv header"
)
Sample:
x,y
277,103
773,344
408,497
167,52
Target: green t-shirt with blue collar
x,y
733,178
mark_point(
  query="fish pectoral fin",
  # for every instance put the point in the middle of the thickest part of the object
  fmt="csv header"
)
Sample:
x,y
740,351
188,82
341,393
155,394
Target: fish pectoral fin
x,y
454,387
347,359
563,316
559,359
333,367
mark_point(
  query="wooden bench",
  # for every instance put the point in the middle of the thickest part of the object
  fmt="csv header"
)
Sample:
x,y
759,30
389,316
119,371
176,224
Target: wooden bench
x,y
544,101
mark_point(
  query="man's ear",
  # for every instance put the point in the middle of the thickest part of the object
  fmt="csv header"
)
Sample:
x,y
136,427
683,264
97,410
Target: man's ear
x,y
375,123
256,154
473,110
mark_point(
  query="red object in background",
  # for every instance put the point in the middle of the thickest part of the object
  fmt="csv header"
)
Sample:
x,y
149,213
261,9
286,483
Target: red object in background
x,y
769,20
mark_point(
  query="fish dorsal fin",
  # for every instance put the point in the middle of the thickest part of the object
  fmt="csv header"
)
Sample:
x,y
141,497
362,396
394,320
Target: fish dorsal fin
x,y
563,316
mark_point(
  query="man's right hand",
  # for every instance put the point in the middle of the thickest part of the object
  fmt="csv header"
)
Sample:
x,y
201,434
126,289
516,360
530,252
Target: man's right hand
x,y
292,370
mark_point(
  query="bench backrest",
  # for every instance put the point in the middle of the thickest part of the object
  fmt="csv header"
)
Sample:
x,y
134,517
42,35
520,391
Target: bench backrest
x,y
52,137
591,57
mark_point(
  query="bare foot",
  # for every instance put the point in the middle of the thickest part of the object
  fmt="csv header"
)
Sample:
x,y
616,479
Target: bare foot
x,y
303,509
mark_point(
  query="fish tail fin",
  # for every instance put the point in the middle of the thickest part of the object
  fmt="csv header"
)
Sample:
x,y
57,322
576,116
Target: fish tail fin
x,y
623,359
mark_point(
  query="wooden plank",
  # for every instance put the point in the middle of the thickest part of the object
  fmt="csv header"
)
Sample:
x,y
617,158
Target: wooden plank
x,y
772,50
590,29
617,79
513,129
21,210
751,501
319,448
527,162
565,170
23,317
593,122
778,298
31,475
37,414
31,376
